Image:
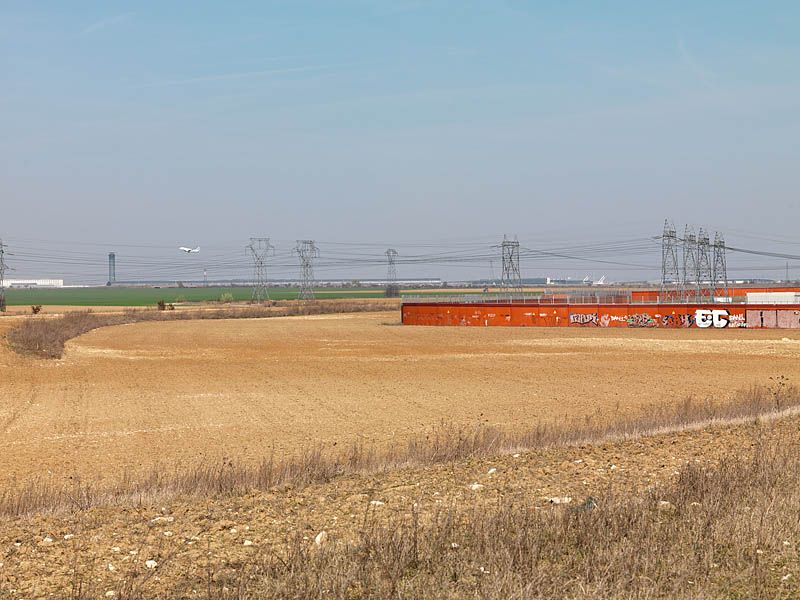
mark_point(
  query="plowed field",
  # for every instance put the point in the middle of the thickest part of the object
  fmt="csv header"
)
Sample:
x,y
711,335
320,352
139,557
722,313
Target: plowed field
x,y
128,398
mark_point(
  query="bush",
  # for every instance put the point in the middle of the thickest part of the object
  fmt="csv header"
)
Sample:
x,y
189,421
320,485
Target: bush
x,y
226,297
46,337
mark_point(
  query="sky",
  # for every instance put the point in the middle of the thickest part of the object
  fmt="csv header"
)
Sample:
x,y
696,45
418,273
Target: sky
x,y
421,125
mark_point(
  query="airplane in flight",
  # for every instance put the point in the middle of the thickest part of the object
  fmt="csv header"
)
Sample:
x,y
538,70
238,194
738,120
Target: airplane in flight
x,y
189,250
588,281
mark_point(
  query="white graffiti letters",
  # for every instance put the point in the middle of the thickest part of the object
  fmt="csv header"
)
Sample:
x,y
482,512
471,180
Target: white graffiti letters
x,y
721,318
583,319
718,318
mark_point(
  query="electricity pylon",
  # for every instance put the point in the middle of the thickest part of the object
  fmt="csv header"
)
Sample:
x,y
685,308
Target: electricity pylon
x,y
307,251
671,284
260,250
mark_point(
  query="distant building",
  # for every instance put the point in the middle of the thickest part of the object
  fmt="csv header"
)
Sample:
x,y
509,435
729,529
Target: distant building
x,y
33,283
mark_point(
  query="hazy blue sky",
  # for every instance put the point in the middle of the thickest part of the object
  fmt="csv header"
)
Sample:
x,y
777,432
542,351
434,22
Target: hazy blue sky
x,y
207,122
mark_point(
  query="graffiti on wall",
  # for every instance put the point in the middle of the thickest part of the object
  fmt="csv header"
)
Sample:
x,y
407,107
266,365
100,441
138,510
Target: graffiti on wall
x,y
677,320
706,317
709,316
583,319
641,320
606,320
737,321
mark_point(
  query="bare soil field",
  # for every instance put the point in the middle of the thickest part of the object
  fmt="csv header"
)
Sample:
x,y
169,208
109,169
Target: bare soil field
x,y
130,398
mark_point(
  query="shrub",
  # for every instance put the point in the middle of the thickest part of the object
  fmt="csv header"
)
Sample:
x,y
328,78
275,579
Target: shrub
x,y
46,337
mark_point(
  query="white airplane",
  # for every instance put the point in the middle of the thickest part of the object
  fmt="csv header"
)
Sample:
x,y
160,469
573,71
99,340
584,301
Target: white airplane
x,y
189,250
588,281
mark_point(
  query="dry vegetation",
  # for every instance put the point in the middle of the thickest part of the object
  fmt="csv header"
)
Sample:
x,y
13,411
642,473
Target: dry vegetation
x,y
722,527
727,532
727,529
448,443
45,337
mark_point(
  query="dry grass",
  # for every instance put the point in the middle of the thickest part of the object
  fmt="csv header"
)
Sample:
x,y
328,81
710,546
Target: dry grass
x,y
728,532
45,336
447,443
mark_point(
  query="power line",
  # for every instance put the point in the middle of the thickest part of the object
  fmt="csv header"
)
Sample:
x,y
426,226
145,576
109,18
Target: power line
x,y
765,253
85,263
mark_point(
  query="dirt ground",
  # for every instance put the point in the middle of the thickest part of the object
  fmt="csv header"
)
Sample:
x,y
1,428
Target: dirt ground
x,y
129,398
126,399
198,545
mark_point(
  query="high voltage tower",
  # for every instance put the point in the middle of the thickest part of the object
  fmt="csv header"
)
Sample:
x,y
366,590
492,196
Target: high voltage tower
x,y
705,282
511,280
307,251
2,276
703,272
689,260
392,289
391,272
719,267
671,284
260,250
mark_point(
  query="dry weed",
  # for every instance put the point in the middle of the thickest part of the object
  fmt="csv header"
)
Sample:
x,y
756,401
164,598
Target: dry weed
x,y
446,443
45,336
730,531
724,531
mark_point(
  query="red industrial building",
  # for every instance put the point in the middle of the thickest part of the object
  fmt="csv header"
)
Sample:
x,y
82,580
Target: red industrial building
x,y
634,309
